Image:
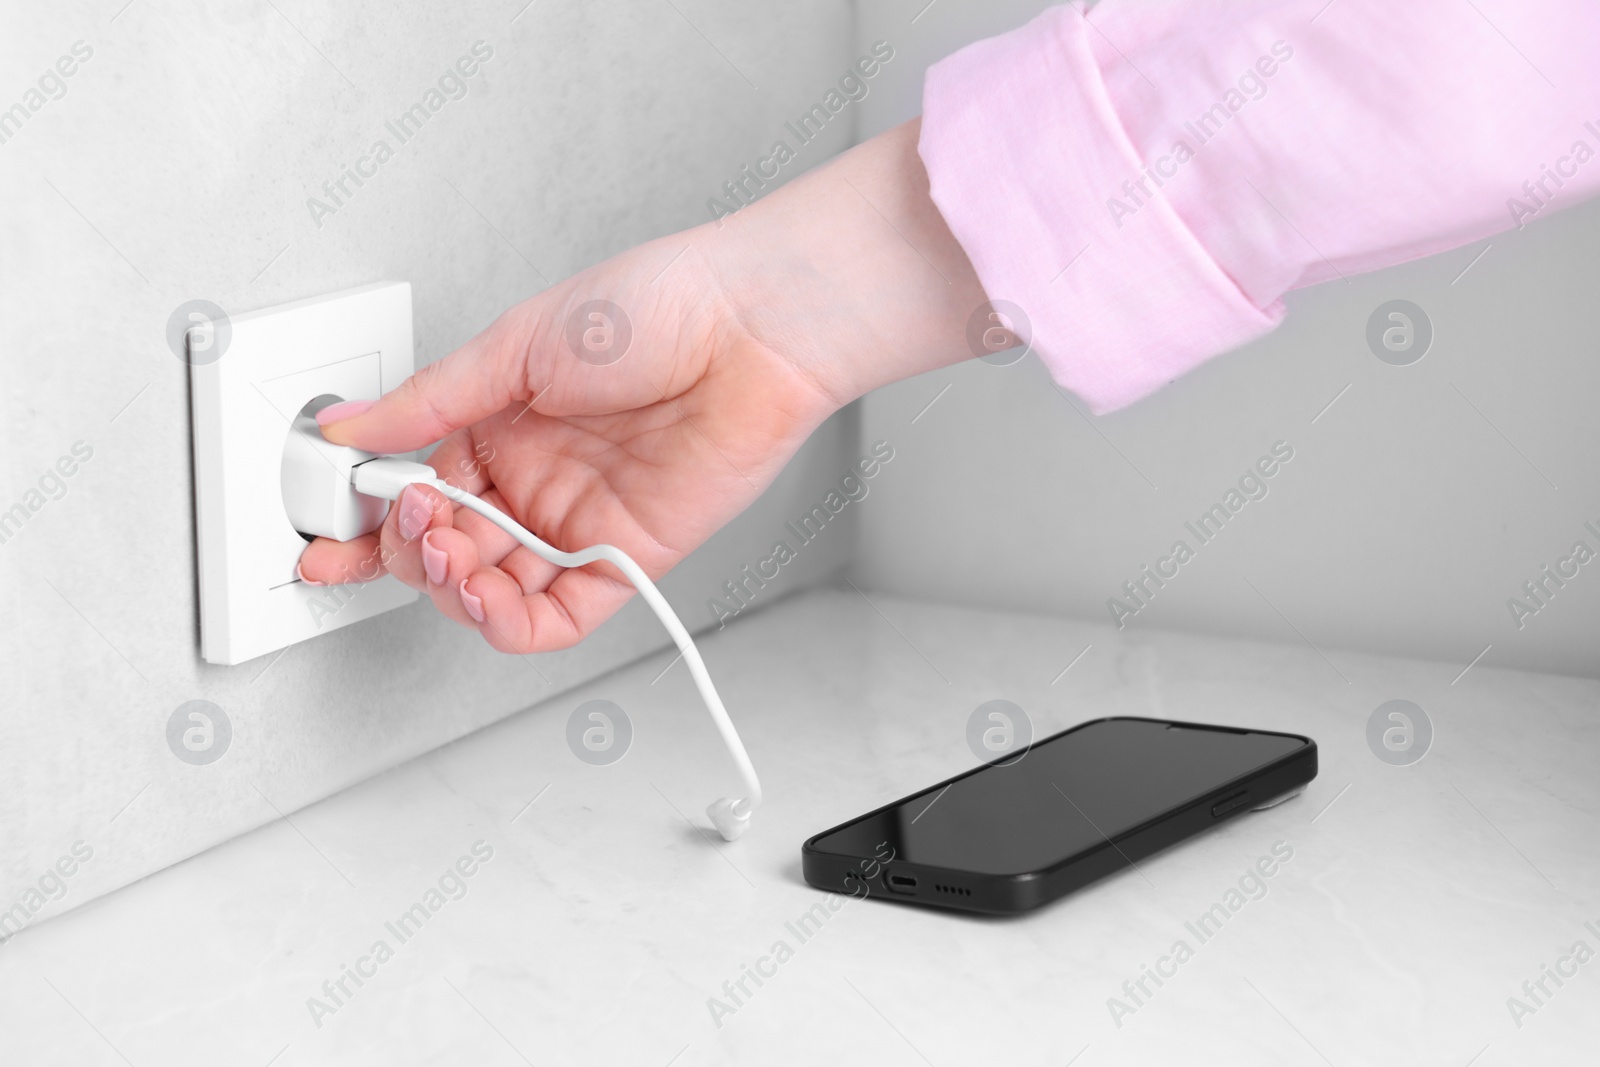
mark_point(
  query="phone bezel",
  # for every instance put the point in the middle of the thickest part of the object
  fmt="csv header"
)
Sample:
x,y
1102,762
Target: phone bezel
x,y
1026,890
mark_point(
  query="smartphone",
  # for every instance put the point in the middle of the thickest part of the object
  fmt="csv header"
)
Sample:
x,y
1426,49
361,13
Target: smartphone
x,y
1020,831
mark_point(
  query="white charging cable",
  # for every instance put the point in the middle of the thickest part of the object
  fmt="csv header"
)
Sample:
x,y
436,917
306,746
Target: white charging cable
x,y
387,477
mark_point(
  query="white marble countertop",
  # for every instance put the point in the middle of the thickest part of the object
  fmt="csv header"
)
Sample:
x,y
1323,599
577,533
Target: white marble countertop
x,y
1417,901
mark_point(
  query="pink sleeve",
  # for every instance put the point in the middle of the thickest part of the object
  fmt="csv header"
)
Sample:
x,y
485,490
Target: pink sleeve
x,y
1146,179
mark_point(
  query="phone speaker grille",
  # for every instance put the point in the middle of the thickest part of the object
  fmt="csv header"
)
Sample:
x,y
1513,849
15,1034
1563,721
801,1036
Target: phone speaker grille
x,y
953,890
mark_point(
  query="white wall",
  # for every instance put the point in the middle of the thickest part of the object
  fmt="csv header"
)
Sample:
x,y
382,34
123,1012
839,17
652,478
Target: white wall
x,y
1413,509
176,166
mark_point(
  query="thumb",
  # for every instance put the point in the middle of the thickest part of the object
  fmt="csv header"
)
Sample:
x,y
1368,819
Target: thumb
x,y
480,378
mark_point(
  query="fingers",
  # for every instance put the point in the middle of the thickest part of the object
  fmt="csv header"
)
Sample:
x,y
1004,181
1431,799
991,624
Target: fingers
x,y
471,383
499,549
394,549
434,547
428,552
475,574
510,606
576,603
449,556
326,562
419,510
463,461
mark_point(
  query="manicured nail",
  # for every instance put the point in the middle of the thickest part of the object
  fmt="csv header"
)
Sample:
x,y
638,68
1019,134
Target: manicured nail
x,y
434,561
344,409
474,605
414,513
300,574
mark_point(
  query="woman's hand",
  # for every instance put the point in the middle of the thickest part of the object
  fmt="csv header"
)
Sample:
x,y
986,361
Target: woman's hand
x,y
645,402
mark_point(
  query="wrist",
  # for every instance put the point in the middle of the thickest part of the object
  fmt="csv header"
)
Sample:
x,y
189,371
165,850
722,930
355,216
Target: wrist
x,y
849,273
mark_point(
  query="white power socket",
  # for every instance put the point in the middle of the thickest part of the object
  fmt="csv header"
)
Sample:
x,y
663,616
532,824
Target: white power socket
x,y
353,345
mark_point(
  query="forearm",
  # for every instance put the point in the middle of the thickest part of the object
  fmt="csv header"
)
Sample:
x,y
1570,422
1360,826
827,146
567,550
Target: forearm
x,y
850,271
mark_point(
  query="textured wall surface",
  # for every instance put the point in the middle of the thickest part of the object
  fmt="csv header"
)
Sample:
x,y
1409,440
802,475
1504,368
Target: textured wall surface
x,y
1416,506
175,163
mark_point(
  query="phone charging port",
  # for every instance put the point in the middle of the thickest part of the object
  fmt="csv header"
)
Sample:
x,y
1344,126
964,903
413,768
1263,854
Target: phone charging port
x,y
902,883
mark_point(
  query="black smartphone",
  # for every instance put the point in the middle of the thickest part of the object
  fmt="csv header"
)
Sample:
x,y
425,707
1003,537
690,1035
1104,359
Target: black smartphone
x,y
1020,831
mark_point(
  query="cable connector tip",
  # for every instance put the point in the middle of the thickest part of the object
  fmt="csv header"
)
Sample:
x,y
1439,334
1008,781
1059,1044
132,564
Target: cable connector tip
x,y
388,477
724,814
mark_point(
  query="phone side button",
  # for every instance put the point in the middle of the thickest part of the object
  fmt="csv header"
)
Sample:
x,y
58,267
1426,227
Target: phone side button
x,y
1222,807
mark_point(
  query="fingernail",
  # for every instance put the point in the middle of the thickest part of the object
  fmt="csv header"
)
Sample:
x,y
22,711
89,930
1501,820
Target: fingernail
x,y
473,604
434,561
300,574
344,409
414,513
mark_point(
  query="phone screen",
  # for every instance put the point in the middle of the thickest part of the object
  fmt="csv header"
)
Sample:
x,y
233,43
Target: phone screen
x,y
1067,793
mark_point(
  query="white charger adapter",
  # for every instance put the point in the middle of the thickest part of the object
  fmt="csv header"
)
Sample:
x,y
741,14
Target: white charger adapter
x,y
317,494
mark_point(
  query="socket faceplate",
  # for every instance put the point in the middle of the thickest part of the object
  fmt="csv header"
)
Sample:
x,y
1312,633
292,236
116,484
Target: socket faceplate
x,y
355,345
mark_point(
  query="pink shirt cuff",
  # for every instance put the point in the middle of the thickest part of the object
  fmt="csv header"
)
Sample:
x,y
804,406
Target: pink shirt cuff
x,y
1313,150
